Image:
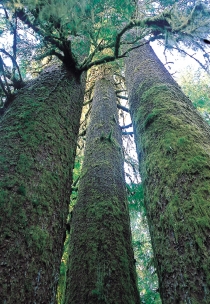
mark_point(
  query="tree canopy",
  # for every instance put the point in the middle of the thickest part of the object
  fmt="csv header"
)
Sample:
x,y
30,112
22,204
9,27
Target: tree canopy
x,y
87,33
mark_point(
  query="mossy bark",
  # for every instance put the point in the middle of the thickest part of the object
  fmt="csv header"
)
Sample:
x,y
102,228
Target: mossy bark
x,y
38,135
173,144
101,263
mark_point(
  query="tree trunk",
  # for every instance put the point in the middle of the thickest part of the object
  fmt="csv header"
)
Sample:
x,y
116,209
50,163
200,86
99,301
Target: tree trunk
x,y
38,135
173,145
101,264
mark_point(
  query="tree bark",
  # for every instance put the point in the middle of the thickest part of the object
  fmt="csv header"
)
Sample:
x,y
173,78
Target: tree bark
x,y
101,263
173,145
38,135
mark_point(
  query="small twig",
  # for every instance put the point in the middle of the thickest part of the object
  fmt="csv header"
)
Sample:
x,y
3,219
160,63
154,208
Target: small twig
x,y
182,51
170,62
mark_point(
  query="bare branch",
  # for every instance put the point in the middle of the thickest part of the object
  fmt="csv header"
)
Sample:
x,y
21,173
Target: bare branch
x,y
13,61
3,88
122,97
198,61
7,92
87,102
127,126
127,133
123,108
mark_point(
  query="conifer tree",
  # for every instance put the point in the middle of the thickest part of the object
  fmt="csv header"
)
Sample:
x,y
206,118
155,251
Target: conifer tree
x,y
173,145
38,138
101,261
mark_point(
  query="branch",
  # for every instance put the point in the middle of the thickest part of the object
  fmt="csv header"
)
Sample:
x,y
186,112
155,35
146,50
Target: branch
x,y
83,133
120,91
127,126
157,21
127,133
88,59
76,181
3,88
96,62
13,61
107,59
7,92
197,6
50,53
15,40
87,102
182,51
24,18
122,97
123,108
206,41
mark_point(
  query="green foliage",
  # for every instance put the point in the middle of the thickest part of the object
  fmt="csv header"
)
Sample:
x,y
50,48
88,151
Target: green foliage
x,y
147,277
79,21
196,85
64,261
63,270
76,176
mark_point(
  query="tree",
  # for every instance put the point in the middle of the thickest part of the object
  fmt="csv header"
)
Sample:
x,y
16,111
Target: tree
x,y
101,261
106,27
173,149
38,145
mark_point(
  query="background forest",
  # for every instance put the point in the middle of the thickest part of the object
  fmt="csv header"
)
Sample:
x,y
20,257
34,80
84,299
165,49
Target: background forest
x,y
54,59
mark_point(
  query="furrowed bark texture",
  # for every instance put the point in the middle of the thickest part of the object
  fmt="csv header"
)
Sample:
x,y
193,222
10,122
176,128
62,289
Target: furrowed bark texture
x,y
101,264
173,144
38,135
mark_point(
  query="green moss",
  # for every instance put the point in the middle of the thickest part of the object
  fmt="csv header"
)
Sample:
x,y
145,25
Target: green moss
x,y
100,232
175,171
35,182
151,117
21,190
38,238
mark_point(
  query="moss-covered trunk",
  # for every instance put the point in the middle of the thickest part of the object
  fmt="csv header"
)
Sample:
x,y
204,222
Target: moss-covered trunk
x,y
101,264
173,144
38,136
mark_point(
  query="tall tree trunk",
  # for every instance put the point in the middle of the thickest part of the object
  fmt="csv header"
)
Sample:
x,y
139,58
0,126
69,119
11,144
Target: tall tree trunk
x,y
38,135
101,264
173,144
